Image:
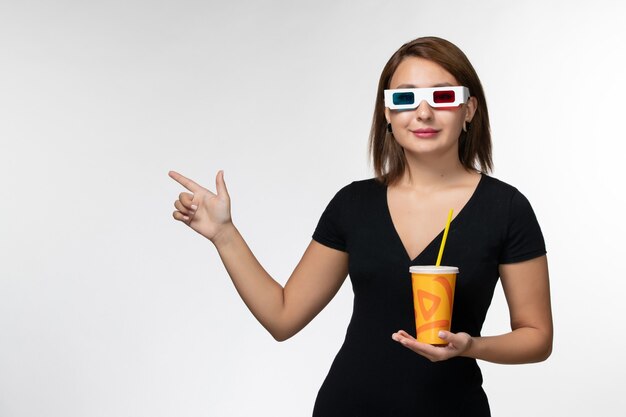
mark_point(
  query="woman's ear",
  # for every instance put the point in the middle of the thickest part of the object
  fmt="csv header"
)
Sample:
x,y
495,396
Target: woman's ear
x,y
387,115
470,106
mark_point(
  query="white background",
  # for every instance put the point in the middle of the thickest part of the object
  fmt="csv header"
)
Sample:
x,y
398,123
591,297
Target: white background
x,y
108,307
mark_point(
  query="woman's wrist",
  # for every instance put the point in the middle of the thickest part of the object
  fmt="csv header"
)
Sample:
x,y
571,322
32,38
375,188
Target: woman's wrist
x,y
524,345
225,235
473,348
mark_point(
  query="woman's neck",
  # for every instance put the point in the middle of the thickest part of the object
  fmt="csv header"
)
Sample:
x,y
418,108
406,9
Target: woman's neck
x,y
431,174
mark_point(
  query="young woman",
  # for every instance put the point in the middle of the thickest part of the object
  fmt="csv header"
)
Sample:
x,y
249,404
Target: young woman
x,y
431,148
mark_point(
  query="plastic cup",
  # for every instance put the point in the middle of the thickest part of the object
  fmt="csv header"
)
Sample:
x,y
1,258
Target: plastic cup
x,y
433,298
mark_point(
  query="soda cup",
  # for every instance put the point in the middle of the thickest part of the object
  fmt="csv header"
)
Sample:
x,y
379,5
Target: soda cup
x,y
433,298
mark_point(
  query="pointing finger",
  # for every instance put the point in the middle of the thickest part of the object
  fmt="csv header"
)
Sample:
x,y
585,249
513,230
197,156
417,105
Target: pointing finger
x,y
186,182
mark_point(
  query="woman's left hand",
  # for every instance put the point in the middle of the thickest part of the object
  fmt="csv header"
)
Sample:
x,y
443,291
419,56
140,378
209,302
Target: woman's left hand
x,y
458,343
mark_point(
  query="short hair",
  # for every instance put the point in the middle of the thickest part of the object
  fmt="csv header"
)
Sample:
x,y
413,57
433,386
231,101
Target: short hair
x,y
474,145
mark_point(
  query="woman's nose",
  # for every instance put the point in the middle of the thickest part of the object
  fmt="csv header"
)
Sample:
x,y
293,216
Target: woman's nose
x,y
424,111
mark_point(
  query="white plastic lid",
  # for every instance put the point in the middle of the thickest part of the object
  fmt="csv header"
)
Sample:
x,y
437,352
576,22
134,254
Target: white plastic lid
x,y
432,269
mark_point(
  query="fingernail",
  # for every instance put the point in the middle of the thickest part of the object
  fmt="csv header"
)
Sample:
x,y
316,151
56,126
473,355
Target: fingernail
x,y
441,334
185,218
194,207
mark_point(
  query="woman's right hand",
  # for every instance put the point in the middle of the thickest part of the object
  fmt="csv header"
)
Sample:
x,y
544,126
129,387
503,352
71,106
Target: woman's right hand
x,y
205,212
282,311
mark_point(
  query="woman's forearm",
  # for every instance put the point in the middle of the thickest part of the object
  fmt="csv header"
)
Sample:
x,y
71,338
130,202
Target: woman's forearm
x,y
258,290
522,345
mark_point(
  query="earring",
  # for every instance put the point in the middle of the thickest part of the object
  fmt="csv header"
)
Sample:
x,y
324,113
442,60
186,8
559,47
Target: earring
x,y
464,126
389,128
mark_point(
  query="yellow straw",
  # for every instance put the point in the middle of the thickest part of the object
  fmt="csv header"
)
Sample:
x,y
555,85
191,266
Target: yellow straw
x,y
445,236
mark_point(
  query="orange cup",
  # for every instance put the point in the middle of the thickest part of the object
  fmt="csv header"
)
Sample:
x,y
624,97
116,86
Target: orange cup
x,y
433,297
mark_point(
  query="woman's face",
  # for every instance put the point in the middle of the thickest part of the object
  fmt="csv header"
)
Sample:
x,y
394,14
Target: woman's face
x,y
426,131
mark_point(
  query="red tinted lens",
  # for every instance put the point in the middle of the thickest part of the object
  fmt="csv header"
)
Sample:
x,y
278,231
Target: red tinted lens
x,y
443,96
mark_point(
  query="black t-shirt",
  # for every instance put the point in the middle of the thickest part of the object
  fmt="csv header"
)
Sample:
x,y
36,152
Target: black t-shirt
x,y
374,376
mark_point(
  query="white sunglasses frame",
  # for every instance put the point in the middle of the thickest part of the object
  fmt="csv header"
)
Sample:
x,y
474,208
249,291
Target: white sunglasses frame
x,y
461,95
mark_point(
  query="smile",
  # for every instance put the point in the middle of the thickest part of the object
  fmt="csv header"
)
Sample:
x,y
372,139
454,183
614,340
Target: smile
x,y
425,133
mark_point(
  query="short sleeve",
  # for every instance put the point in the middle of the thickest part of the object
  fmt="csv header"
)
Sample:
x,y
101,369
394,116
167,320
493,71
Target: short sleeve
x,y
330,230
523,239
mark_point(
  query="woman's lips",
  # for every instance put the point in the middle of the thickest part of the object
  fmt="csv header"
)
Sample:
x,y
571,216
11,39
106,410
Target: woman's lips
x,y
425,133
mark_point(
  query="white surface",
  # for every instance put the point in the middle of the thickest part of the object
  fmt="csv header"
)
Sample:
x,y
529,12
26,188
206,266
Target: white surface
x,y
108,307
